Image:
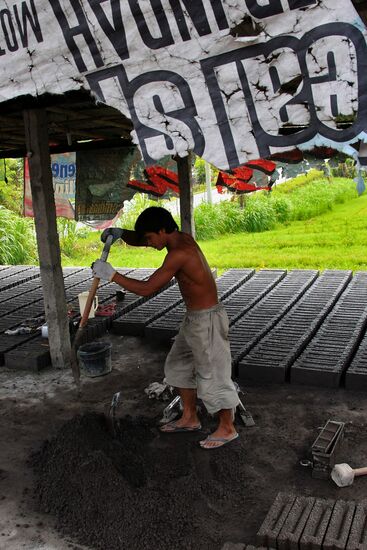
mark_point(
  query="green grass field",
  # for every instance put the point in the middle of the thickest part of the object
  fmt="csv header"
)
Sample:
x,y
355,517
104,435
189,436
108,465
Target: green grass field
x,y
335,240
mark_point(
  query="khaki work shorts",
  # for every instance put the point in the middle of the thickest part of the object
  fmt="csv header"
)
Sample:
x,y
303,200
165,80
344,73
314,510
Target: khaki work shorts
x,y
200,359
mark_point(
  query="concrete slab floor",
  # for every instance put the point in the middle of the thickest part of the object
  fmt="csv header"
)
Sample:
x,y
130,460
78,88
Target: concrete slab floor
x,y
33,407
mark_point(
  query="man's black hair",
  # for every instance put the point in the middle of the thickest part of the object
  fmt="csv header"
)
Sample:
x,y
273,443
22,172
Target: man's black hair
x,y
153,219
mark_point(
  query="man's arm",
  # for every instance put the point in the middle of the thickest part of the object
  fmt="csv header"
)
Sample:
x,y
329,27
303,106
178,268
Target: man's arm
x,y
172,263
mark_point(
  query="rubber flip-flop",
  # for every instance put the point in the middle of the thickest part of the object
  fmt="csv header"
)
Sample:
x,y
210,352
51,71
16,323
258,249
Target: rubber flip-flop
x,y
172,427
219,441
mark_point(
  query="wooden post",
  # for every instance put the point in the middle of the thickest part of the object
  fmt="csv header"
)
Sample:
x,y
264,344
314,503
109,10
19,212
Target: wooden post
x,y
186,195
208,183
35,124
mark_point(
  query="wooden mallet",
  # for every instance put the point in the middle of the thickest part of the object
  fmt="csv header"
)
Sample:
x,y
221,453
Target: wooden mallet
x,y
344,475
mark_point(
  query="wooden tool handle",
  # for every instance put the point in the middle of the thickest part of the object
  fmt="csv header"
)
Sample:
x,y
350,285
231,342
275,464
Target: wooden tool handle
x,y
95,283
89,302
360,471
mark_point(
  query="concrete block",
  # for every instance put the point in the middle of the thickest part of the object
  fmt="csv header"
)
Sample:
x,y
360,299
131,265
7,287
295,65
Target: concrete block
x,y
233,546
358,533
339,526
356,379
274,521
293,526
29,360
317,524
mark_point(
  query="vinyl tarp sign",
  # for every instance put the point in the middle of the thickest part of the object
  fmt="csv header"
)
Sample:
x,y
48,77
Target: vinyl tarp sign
x,y
63,178
232,80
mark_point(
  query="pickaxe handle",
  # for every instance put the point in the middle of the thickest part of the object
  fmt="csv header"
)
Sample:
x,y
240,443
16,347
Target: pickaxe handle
x,y
95,283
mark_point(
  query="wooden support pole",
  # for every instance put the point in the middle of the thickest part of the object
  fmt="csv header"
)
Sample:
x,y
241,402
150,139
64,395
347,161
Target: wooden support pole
x,y
186,195
35,124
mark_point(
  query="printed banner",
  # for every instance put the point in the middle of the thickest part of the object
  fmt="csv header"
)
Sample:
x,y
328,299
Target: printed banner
x,y
63,177
101,183
231,80
239,181
155,180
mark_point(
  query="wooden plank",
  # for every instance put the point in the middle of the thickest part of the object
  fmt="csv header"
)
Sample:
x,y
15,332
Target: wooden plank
x,y
186,195
36,133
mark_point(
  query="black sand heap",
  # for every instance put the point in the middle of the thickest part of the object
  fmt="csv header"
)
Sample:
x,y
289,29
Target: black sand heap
x,y
141,490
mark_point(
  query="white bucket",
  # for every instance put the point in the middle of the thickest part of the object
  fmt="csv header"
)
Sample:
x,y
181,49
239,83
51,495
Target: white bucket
x,y
83,297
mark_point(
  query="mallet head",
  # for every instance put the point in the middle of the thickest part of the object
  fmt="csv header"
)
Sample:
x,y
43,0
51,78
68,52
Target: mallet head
x,y
342,474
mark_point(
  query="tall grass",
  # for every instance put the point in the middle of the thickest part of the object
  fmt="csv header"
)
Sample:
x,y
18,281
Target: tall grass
x,y
17,239
300,199
319,197
70,235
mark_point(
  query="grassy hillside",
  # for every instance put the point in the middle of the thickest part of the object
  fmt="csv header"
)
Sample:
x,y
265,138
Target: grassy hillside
x,y
335,240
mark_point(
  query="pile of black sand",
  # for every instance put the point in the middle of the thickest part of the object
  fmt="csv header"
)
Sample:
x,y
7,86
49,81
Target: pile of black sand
x,y
140,490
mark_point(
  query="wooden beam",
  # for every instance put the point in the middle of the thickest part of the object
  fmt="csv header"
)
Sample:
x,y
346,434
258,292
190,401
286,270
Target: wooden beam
x,y
64,148
186,195
36,133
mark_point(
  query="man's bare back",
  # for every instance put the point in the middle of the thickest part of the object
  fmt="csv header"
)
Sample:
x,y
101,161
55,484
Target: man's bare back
x,y
184,260
194,277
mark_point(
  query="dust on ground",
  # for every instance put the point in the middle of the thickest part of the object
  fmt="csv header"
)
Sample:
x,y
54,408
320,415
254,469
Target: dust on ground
x,y
65,482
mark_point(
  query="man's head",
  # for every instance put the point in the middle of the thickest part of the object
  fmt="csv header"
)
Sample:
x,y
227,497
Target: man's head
x,y
155,220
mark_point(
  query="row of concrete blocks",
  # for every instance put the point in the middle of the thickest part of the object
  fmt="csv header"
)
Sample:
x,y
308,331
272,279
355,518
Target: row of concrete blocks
x,y
313,301
165,302
32,352
309,523
11,310
339,337
10,276
260,320
255,288
272,358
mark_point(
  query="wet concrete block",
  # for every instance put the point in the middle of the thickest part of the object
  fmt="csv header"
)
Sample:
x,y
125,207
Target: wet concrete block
x,y
317,524
260,370
29,360
129,328
356,379
358,533
292,529
234,546
274,521
154,334
339,526
314,375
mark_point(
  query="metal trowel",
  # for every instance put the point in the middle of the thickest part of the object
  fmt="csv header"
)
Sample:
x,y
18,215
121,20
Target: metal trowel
x,y
244,414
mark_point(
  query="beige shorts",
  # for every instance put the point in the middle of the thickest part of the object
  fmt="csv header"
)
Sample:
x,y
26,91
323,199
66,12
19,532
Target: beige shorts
x,y
200,359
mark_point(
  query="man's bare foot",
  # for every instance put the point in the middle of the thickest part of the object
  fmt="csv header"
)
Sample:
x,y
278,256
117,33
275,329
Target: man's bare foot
x,y
214,441
187,423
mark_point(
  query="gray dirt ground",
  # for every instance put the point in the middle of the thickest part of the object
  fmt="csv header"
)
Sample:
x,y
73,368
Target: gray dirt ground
x,y
205,497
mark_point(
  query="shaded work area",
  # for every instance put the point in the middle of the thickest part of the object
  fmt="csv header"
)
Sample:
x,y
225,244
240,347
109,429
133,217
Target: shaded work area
x,y
299,326
65,482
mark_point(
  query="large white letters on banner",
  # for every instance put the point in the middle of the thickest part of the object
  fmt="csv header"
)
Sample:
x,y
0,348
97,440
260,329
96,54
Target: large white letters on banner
x,y
231,80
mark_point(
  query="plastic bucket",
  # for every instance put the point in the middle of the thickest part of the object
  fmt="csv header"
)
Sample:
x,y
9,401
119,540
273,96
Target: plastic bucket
x,y
95,358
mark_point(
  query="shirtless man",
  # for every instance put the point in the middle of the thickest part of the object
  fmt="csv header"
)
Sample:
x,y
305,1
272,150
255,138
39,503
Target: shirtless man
x,y
199,363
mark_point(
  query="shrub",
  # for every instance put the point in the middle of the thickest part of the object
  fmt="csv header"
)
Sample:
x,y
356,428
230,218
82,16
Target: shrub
x,y
17,239
282,208
258,214
11,184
